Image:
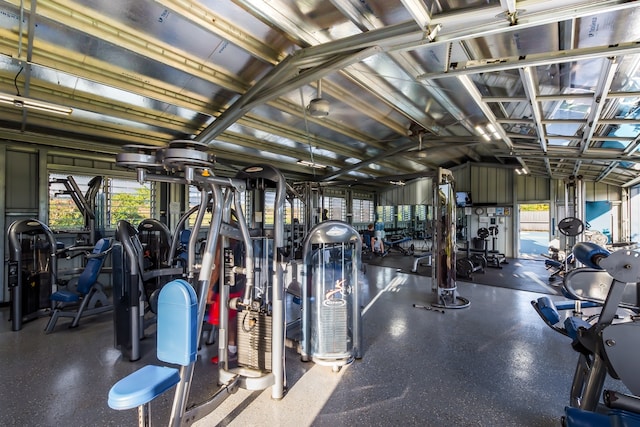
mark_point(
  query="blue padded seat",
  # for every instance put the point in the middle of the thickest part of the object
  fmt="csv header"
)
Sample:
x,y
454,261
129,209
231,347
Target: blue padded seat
x,y
548,310
621,418
66,296
89,275
552,263
177,343
573,323
576,417
89,297
142,386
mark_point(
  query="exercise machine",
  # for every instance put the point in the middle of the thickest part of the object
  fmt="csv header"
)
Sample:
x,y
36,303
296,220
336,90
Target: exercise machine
x,y
261,314
493,256
443,272
607,347
156,239
331,314
592,341
470,263
404,245
136,285
86,203
32,270
83,295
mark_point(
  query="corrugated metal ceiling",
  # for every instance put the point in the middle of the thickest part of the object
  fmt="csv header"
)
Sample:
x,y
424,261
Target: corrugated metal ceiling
x,y
411,84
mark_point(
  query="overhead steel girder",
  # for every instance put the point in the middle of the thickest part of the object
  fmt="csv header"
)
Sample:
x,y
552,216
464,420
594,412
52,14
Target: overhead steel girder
x,y
215,24
396,37
475,95
631,148
281,79
86,20
599,97
114,32
370,160
568,156
28,137
92,128
393,152
530,84
145,86
538,59
208,20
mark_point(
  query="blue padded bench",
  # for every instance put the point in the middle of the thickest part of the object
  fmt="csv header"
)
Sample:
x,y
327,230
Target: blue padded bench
x,y
177,343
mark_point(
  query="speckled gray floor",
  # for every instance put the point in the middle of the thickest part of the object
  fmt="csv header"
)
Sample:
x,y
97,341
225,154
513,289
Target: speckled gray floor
x,y
492,364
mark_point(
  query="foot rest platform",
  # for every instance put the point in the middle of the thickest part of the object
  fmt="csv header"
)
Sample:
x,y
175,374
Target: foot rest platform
x,y
572,324
549,313
142,386
548,309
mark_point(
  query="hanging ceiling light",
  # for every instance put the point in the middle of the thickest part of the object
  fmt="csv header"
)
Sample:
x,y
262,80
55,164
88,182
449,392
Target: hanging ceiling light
x,y
318,107
33,104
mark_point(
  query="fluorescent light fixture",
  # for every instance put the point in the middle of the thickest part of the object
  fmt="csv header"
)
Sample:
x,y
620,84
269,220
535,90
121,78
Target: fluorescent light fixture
x,y
22,102
311,164
483,133
522,171
490,132
397,182
493,131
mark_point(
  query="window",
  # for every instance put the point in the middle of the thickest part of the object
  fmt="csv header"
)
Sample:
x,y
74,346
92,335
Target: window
x,y
124,199
129,200
298,211
386,213
64,214
335,206
194,200
363,211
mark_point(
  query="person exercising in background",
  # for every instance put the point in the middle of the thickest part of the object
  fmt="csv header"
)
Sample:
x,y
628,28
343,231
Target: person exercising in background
x,y
378,245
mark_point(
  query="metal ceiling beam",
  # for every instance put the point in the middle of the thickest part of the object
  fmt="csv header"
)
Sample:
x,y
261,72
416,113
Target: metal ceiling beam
x,y
599,97
96,130
88,21
530,84
367,162
535,60
212,22
278,81
419,12
103,27
630,150
110,75
475,95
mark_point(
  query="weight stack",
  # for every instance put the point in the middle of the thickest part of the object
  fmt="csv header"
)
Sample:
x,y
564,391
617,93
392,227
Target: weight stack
x,y
254,341
333,332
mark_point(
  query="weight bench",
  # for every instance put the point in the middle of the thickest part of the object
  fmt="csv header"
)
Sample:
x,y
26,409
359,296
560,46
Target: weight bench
x,y
177,343
397,245
418,259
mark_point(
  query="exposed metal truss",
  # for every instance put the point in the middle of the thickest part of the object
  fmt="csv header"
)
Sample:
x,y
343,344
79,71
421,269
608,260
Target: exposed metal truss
x,y
552,87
